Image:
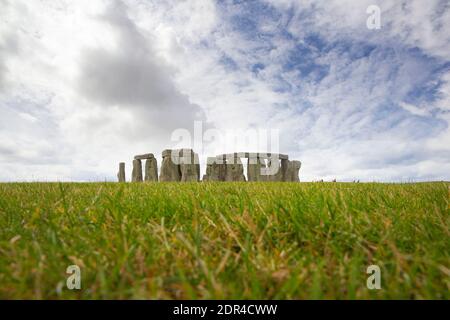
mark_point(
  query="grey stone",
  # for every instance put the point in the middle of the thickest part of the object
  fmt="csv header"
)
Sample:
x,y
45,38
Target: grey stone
x,y
136,175
234,170
151,170
169,170
189,165
284,169
121,173
166,153
144,156
273,170
215,170
273,156
294,170
254,166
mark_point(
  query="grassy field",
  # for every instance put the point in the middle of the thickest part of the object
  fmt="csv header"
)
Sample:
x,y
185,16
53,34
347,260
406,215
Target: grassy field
x,y
224,240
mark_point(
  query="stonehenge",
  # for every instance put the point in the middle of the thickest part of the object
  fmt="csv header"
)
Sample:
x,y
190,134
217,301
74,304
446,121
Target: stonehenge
x,y
183,165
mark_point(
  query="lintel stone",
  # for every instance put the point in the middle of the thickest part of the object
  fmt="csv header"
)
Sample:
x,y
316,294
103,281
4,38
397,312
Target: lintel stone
x,y
144,156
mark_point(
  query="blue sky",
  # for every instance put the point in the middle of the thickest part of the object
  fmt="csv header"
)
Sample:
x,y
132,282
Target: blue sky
x,y
88,84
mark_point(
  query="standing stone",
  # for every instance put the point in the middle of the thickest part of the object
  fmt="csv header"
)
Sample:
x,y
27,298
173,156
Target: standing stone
x,y
234,170
215,171
208,175
274,173
170,171
284,170
137,171
121,173
197,167
263,176
151,170
254,167
294,169
289,172
189,165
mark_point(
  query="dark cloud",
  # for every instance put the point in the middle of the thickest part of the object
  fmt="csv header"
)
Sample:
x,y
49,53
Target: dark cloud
x,y
134,77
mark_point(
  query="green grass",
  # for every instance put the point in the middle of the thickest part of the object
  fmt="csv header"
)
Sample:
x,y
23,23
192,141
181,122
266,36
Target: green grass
x,y
224,240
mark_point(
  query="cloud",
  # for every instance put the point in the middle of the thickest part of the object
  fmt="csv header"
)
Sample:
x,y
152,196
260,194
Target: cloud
x,y
134,77
86,105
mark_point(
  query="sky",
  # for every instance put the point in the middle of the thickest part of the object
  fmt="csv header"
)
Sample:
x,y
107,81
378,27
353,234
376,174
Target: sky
x,y
87,84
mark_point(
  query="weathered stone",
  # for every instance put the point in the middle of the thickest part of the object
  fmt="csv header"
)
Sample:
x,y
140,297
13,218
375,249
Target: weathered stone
x,y
189,165
166,153
284,170
292,171
144,156
215,171
254,167
169,170
197,167
294,168
121,173
151,170
273,171
137,171
234,170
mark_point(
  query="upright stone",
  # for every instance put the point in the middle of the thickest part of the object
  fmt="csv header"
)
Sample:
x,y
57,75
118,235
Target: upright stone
x,y
284,170
151,170
137,171
294,170
289,172
121,173
274,171
170,171
254,167
215,170
189,165
234,170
